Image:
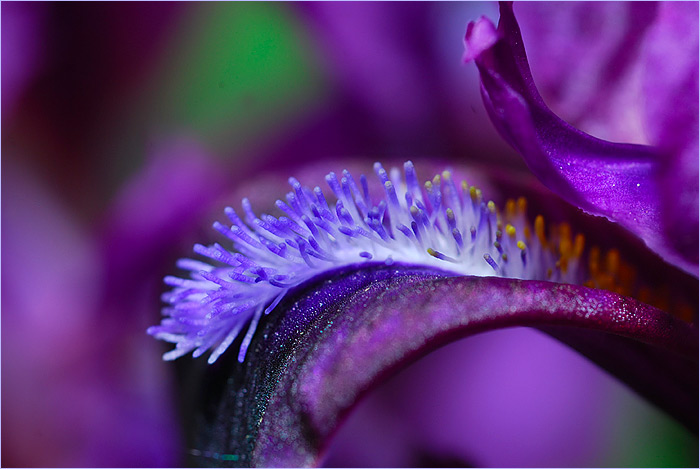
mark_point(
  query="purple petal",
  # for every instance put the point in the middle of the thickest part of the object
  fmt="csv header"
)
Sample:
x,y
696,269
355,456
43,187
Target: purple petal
x,y
671,115
614,180
596,89
484,36
515,383
671,91
177,184
397,81
366,45
318,353
22,51
75,380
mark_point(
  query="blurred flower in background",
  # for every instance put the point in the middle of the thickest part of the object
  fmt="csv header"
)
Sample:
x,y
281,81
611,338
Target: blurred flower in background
x,y
128,127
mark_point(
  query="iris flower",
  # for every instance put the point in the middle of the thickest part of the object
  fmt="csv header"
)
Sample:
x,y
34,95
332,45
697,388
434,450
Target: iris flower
x,y
305,310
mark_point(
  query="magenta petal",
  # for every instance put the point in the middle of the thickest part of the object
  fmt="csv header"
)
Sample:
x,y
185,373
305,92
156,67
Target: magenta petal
x,y
365,44
318,352
585,59
671,115
618,181
23,50
483,36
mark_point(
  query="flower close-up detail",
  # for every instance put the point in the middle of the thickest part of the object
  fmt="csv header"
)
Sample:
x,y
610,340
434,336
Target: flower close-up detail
x,y
357,286
453,229
622,182
350,234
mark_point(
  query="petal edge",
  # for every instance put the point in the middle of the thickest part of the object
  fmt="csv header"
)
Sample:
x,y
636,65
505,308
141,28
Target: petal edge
x,y
614,180
312,363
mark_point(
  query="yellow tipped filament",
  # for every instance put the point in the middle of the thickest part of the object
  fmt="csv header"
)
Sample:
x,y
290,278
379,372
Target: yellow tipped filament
x,y
522,205
579,245
539,230
473,193
447,228
612,261
565,230
565,245
510,209
606,269
611,273
491,206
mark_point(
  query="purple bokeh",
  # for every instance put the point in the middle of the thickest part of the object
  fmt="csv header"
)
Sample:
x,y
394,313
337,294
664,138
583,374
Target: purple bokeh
x,y
98,203
510,398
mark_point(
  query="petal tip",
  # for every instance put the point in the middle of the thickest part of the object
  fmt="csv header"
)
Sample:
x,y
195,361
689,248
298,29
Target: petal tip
x,y
481,35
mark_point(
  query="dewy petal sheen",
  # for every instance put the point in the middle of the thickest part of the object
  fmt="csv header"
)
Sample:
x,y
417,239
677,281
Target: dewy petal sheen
x,y
318,306
443,224
347,306
618,181
337,335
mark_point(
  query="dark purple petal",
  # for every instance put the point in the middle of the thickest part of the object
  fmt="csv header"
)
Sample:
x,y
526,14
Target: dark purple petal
x,y
367,47
22,51
618,181
154,212
318,352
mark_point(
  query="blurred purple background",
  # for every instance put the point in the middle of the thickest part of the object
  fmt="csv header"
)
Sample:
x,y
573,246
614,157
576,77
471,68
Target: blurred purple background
x,y
127,127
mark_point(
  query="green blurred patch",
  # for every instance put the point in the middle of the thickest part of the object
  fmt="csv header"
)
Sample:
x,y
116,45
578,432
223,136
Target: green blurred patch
x,y
648,437
237,70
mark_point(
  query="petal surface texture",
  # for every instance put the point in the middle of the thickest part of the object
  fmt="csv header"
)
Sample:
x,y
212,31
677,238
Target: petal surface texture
x,y
336,336
622,182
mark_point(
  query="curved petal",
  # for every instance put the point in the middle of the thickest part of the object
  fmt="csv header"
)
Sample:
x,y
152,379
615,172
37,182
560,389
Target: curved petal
x,y
596,89
671,115
618,181
319,351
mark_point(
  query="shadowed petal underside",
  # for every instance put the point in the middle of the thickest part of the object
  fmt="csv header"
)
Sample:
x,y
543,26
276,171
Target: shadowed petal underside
x,y
337,335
